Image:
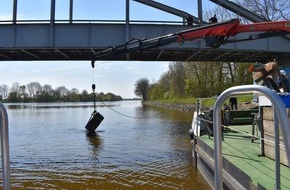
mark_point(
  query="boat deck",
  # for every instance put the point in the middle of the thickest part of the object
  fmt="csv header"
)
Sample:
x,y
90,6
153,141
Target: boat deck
x,y
240,151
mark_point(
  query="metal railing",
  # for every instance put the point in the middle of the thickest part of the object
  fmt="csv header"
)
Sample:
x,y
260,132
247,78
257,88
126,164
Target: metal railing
x,y
280,115
5,148
90,21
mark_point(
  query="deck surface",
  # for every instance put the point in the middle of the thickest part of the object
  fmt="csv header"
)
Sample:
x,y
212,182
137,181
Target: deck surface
x,y
238,149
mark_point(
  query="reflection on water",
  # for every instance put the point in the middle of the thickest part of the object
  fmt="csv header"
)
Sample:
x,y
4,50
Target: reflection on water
x,y
95,142
144,148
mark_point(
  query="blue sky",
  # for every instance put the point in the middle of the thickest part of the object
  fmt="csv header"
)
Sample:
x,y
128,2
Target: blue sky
x,y
109,76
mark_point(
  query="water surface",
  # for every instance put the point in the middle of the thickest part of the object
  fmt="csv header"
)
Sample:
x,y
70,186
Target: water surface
x,y
135,147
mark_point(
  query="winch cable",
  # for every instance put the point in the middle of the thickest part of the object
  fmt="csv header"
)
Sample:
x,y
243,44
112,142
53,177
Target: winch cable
x,y
96,118
128,116
135,117
94,89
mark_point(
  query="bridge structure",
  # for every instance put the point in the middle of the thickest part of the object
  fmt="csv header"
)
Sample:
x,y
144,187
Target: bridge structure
x,y
71,39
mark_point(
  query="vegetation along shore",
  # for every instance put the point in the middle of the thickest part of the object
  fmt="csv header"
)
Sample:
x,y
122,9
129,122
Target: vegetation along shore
x,y
189,105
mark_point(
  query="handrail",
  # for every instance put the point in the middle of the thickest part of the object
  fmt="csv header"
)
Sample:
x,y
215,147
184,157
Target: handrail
x,y
281,114
5,148
90,21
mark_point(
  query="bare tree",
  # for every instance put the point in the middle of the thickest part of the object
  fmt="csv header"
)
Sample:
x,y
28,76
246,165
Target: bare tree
x,y
62,91
34,88
74,90
4,91
22,91
15,87
47,89
268,9
221,13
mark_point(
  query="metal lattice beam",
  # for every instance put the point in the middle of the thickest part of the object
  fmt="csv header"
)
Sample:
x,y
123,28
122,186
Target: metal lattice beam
x,y
239,10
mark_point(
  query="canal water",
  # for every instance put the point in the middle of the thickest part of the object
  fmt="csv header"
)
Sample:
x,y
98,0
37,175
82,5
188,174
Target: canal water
x,y
135,147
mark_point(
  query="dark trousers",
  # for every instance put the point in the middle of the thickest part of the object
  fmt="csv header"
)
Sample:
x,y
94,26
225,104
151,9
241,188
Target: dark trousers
x,y
234,105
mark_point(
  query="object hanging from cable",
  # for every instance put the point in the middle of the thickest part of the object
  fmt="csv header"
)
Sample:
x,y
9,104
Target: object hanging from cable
x,y
96,118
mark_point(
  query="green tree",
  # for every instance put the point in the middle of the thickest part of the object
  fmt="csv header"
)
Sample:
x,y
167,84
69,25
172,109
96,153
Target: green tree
x,y
108,97
46,93
160,90
200,79
242,75
73,95
156,92
177,79
85,97
193,79
142,88
12,97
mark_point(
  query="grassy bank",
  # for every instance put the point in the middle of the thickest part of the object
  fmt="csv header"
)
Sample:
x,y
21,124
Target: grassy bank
x,y
206,102
244,102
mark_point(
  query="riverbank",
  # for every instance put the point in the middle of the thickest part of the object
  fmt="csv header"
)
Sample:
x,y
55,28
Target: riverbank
x,y
191,107
175,105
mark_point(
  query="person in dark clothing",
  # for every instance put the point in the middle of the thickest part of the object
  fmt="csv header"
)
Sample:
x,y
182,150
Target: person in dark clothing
x,y
283,81
226,115
234,103
272,84
190,21
213,20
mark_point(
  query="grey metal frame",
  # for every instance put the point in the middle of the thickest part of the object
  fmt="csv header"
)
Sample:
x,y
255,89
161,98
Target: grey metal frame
x,y
229,5
5,148
280,113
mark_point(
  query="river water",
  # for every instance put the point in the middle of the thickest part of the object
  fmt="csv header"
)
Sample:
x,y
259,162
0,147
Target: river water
x,y
135,147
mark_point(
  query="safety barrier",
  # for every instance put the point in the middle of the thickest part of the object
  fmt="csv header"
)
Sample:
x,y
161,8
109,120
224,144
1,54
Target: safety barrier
x,y
5,148
280,116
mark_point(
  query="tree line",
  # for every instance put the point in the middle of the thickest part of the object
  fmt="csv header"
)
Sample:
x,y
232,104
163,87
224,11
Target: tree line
x,y
35,92
207,79
194,80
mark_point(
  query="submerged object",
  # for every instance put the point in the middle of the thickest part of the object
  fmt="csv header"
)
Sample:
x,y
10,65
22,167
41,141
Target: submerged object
x,y
94,121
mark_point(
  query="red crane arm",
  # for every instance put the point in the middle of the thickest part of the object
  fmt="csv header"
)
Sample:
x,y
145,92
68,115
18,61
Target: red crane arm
x,y
218,29
215,35
232,28
217,32
263,26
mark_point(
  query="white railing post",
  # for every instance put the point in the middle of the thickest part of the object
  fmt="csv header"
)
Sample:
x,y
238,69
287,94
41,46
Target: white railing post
x,y
277,103
5,148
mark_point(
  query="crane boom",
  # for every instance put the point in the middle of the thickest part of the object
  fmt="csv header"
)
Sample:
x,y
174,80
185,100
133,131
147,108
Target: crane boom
x,y
215,35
